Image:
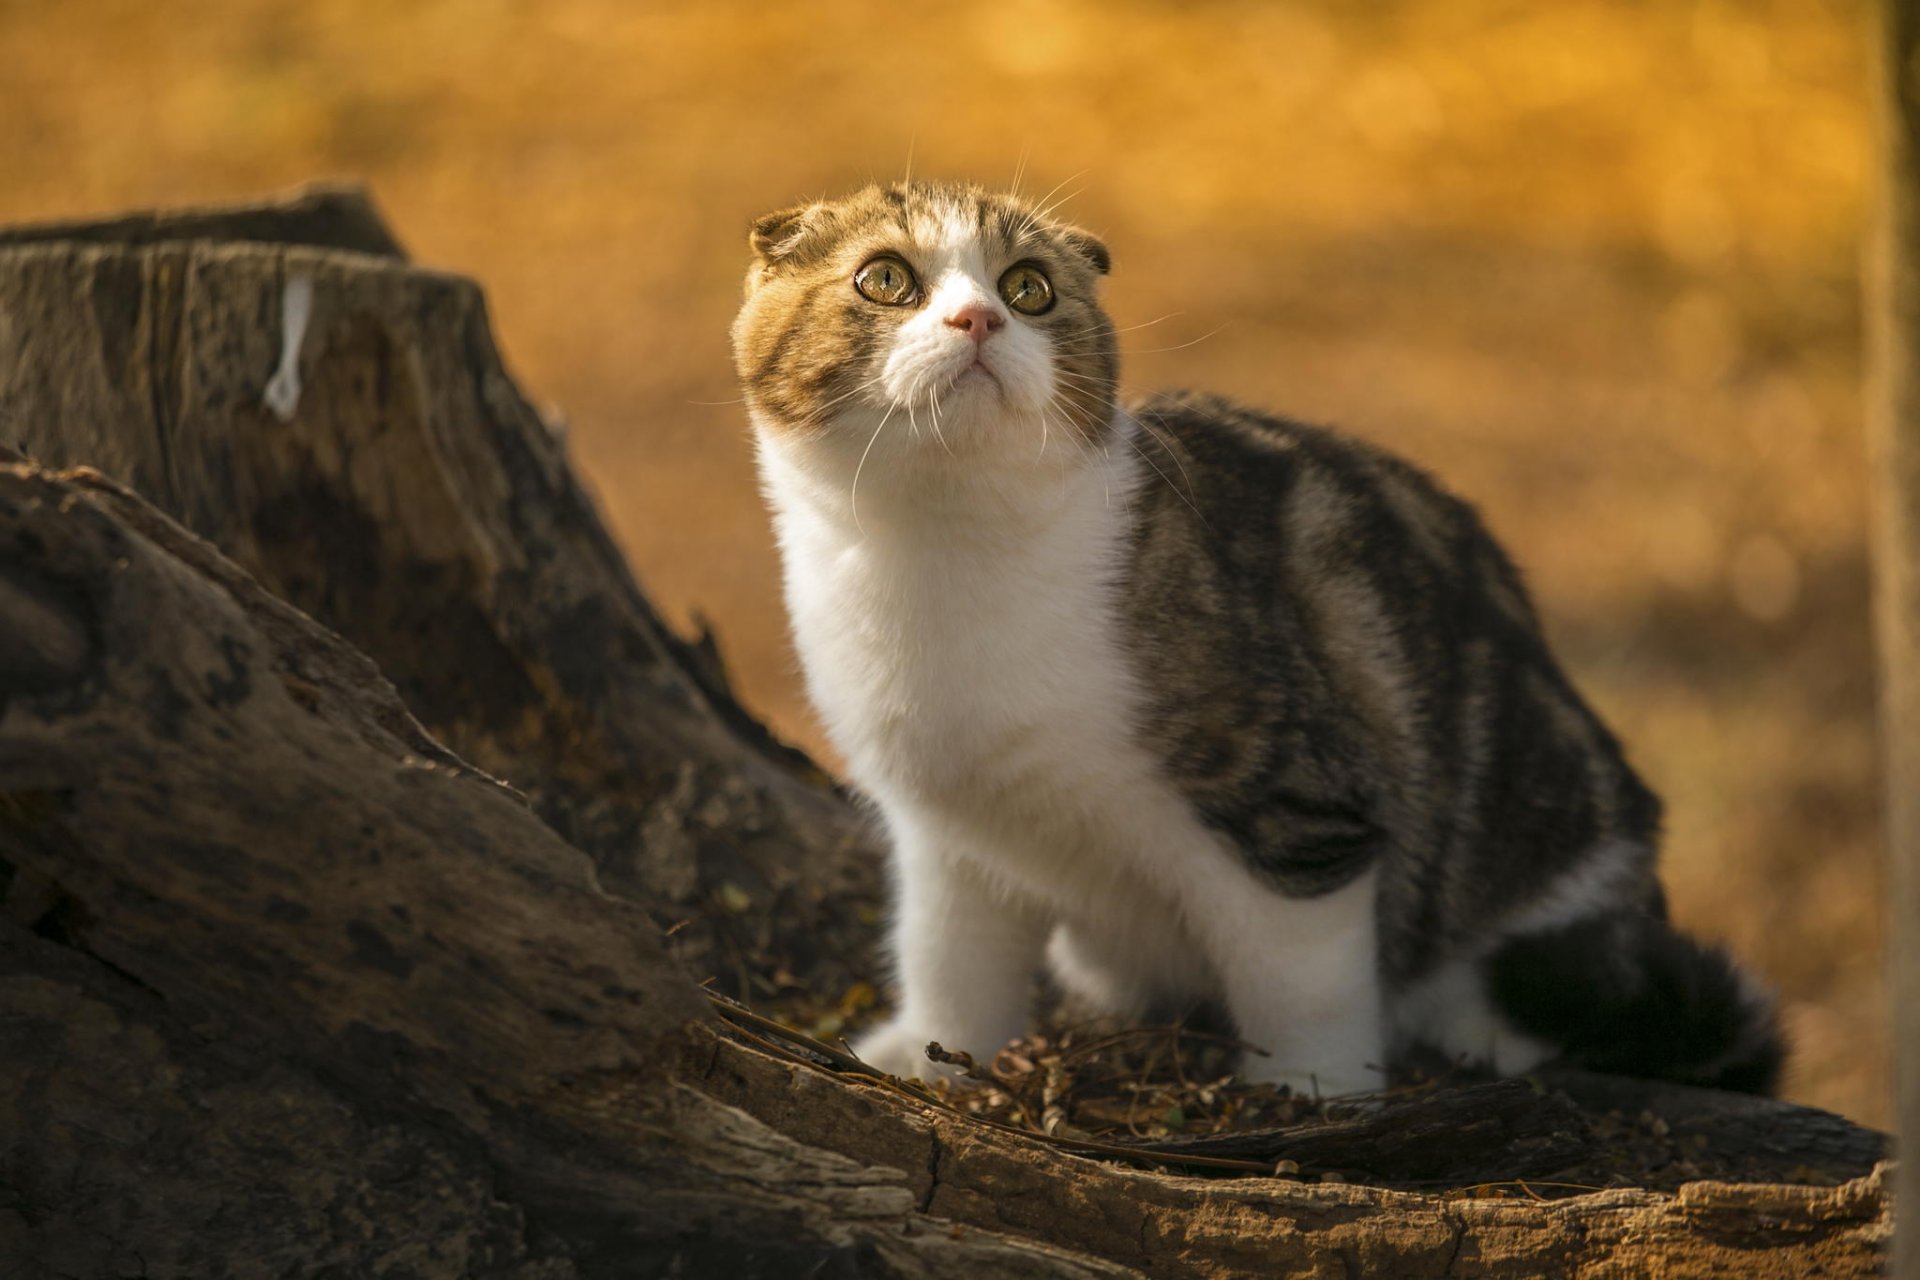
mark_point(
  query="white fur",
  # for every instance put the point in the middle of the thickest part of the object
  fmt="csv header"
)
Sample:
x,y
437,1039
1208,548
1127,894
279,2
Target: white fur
x,y
964,656
950,551
1450,1009
955,616
1603,877
951,584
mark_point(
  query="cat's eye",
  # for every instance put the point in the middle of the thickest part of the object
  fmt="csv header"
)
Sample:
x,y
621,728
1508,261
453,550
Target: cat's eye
x,y
887,281
1027,289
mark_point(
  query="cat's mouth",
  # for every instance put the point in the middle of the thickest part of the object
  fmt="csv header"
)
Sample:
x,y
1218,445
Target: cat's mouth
x,y
975,374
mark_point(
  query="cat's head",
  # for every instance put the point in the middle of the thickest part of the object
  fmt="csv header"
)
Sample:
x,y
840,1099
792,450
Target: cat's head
x,y
967,320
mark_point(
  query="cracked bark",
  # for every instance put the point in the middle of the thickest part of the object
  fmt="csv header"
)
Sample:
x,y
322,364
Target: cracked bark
x,y
933,1175
290,984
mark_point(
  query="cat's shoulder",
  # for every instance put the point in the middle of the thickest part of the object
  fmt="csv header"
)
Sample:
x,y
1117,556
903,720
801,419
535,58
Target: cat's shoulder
x,y
1205,423
1243,452
1231,482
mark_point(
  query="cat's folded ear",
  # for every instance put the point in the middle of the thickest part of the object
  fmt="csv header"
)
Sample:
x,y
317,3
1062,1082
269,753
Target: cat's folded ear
x,y
775,235
1088,246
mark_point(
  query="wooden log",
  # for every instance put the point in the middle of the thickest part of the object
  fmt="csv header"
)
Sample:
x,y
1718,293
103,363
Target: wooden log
x,y
411,499
146,1150
1772,1141
1893,422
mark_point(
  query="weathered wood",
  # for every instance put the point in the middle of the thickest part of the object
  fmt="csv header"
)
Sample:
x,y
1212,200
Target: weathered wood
x,y
139,1149
323,215
1451,1137
414,502
241,817
1170,1225
1893,404
1558,1123
1777,1140
263,889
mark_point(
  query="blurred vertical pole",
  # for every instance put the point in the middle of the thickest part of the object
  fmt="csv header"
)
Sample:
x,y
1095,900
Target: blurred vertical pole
x,y
1893,412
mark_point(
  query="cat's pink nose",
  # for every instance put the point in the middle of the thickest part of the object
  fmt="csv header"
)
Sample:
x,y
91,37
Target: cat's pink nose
x,y
976,321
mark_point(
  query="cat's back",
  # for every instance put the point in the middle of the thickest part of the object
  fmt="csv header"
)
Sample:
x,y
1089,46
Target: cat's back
x,y
1276,533
1327,493
1339,660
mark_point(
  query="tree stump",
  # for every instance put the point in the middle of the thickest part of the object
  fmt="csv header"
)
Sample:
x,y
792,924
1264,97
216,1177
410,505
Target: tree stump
x,y
413,501
291,982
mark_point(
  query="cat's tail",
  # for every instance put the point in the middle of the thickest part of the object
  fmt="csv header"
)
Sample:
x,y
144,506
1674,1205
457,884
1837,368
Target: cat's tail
x,y
1622,992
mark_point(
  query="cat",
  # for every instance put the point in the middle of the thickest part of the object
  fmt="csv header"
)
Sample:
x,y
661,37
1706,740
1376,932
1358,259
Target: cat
x,y
1181,702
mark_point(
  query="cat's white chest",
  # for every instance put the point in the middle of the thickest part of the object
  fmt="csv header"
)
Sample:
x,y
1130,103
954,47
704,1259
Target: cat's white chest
x,y
979,682
936,665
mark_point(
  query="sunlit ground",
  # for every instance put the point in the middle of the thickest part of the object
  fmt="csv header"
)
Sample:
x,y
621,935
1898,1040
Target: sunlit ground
x,y
1593,263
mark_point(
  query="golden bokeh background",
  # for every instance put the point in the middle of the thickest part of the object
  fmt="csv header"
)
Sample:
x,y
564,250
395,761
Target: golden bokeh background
x,y
1594,263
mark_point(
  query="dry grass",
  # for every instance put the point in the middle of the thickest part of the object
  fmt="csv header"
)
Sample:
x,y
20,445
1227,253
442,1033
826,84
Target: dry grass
x,y
1593,262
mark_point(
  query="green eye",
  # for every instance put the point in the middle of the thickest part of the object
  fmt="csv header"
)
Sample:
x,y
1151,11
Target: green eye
x,y
887,281
1027,290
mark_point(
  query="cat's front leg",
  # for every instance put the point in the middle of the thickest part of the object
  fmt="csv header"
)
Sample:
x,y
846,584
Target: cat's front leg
x,y
965,958
1301,977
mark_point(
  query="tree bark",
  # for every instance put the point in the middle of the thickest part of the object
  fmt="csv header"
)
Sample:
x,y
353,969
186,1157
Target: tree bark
x,y
1893,310
413,501
289,987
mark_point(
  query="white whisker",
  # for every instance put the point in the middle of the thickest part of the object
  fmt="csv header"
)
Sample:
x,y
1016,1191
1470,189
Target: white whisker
x,y
1039,208
933,411
1147,351
1048,205
853,492
1171,452
1095,328
820,411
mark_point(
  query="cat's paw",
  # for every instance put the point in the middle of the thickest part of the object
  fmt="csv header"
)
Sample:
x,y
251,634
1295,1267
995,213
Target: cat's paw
x,y
900,1050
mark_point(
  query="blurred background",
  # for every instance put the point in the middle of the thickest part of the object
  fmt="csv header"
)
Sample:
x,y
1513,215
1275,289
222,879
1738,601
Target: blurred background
x,y
1594,263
